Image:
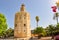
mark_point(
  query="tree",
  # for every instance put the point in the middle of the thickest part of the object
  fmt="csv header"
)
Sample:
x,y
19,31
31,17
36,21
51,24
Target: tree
x,y
10,32
3,24
39,31
50,30
57,28
56,17
37,19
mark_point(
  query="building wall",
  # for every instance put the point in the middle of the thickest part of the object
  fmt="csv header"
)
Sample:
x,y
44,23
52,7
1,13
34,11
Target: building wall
x,y
22,25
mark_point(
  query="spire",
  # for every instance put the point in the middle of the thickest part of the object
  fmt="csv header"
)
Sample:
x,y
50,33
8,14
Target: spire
x,y
22,7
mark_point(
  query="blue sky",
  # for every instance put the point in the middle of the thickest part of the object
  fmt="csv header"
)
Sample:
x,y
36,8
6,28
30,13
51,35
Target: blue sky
x,y
41,8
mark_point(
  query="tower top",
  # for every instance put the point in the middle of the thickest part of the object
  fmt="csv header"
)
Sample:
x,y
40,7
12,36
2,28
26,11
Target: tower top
x,y
22,7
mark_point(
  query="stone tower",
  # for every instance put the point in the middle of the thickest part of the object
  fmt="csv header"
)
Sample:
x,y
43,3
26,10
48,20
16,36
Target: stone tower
x,y
22,24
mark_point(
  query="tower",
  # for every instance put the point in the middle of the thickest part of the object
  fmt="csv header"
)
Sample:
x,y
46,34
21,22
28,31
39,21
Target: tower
x,y
22,24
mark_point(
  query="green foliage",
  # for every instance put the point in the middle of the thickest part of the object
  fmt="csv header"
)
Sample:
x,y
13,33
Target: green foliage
x,y
50,30
39,31
10,32
57,28
37,20
3,24
56,15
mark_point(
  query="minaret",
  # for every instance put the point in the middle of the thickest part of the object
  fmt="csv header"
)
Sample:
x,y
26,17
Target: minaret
x,y
22,24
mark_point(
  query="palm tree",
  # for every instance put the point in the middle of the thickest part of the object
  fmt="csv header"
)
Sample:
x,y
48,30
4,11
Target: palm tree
x,y
50,29
56,17
40,31
37,19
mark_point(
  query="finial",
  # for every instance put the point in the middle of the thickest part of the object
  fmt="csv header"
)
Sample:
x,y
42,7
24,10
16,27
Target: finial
x,y
22,7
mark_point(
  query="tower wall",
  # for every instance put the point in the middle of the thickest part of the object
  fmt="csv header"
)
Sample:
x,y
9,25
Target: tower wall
x,y
22,24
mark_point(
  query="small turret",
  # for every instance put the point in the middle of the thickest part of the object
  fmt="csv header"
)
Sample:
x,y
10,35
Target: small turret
x,y
22,7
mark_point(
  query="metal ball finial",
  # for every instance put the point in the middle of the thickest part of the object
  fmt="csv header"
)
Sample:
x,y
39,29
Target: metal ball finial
x,y
23,4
